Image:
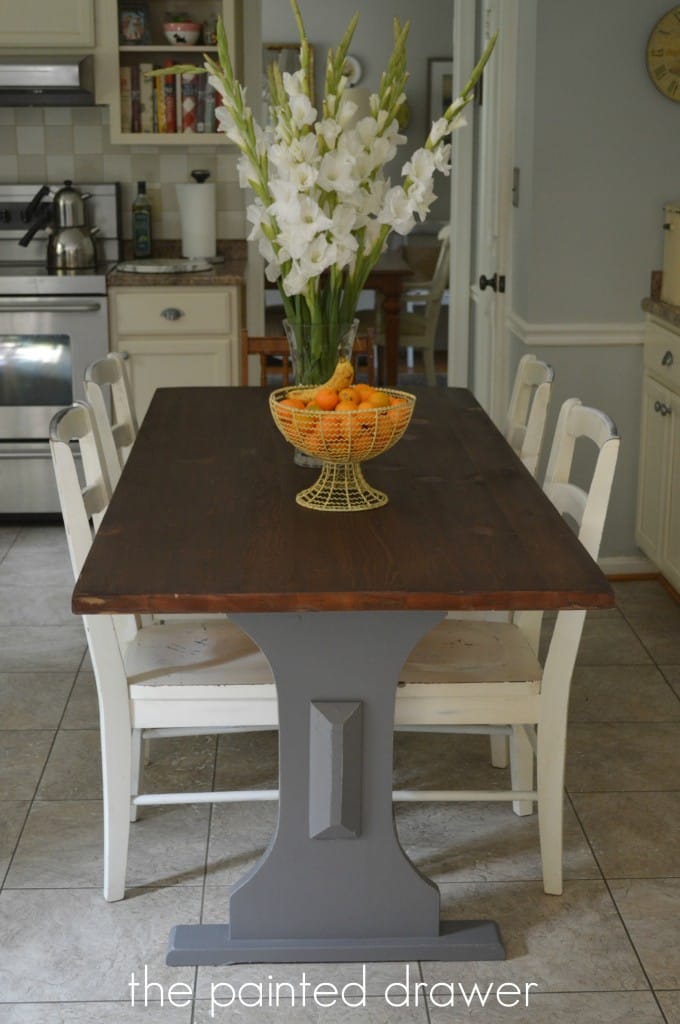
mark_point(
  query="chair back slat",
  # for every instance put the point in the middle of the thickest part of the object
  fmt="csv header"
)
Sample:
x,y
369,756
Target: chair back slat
x,y
264,347
118,432
528,408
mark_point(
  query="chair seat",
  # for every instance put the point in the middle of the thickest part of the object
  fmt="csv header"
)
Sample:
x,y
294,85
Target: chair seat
x,y
212,654
485,653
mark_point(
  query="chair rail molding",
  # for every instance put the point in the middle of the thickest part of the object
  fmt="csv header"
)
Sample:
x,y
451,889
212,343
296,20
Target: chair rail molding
x,y
575,334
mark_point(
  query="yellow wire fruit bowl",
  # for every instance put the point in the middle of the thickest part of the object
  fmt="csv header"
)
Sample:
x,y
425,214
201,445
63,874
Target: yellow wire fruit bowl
x,y
342,439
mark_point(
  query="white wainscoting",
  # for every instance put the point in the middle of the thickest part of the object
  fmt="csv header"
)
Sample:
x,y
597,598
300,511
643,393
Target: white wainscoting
x,y
571,334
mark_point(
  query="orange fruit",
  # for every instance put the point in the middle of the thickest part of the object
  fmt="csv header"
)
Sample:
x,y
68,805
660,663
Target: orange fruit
x,y
347,395
346,405
379,399
364,391
326,398
293,403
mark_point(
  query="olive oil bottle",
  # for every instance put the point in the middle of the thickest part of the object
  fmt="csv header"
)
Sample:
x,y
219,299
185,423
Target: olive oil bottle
x,y
141,222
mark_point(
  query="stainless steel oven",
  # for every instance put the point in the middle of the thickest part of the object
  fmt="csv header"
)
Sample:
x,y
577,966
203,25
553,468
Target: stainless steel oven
x,y
52,325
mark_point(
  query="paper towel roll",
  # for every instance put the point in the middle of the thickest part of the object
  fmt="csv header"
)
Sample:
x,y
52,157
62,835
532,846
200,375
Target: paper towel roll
x,y
197,215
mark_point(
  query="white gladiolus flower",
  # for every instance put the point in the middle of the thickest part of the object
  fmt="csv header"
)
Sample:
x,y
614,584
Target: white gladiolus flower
x,y
442,158
295,281
420,167
328,130
303,176
335,173
302,111
439,130
397,211
294,84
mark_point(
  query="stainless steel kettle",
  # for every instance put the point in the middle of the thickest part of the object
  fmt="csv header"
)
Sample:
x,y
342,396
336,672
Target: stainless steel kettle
x,y
70,245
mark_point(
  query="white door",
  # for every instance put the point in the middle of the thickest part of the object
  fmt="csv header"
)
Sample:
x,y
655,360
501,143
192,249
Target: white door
x,y
483,195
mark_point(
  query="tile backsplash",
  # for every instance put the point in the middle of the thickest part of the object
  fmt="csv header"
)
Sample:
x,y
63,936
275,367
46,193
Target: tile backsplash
x,y
51,144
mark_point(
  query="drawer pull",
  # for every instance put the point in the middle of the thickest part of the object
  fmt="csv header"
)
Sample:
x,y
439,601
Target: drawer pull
x,y
171,313
667,359
661,407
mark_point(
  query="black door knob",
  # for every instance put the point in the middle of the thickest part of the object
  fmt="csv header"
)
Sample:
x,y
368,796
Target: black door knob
x,y
497,283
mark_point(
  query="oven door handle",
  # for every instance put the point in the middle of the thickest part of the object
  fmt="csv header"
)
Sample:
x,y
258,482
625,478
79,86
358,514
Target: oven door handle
x,y
32,305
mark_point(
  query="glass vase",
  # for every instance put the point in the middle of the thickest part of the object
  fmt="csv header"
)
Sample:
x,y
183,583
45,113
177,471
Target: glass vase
x,y
314,351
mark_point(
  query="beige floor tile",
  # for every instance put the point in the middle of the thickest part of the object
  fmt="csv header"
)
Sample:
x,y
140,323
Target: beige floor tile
x,y
239,835
650,909
661,637
247,760
33,700
95,1013
38,558
622,693
437,760
41,648
8,535
670,1004
621,757
22,758
635,596
28,605
609,640
73,771
12,816
565,1008
70,944
634,835
569,943
374,1012
82,711
475,842
672,674
62,847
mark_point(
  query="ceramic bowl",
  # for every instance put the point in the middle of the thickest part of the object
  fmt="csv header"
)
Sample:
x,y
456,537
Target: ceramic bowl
x,y
178,32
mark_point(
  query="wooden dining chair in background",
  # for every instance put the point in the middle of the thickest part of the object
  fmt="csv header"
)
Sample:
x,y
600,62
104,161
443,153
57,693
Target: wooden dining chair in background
x,y
485,676
528,409
166,679
118,431
274,356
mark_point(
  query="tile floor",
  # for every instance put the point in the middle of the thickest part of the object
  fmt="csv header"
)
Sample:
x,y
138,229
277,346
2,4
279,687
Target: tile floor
x,y
606,952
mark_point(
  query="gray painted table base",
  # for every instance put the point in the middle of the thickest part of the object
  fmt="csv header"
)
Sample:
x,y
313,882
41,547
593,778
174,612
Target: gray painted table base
x,y
335,884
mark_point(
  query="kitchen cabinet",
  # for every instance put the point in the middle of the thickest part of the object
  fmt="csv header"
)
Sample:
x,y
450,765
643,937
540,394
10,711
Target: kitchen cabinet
x,y
658,506
51,26
176,337
142,109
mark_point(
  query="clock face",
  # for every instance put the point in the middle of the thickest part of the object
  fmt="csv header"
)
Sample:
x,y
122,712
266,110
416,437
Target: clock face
x,y
663,55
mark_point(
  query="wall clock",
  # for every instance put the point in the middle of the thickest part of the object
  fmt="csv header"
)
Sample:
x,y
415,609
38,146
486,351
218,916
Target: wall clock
x,y
663,54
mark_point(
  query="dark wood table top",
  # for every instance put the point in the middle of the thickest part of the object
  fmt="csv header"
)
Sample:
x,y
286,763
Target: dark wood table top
x,y
204,519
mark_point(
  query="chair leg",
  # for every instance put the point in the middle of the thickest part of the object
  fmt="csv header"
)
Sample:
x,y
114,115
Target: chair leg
x,y
136,769
117,786
500,751
550,772
521,768
428,363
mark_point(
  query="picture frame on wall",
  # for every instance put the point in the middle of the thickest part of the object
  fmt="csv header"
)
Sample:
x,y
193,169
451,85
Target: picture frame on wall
x,y
439,86
287,56
134,25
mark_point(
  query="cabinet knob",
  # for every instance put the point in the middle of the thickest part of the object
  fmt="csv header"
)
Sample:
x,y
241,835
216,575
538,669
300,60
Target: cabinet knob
x,y
171,313
667,358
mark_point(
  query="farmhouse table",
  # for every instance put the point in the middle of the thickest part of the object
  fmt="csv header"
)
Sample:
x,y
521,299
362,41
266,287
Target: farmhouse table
x,y
204,519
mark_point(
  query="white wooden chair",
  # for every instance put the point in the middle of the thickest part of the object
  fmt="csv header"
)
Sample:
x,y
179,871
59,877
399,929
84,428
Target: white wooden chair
x,y
117,442
528,409
186,677
485,676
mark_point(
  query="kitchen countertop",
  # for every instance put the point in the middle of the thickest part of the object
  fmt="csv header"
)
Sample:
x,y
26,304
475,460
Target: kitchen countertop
x,y
663,310
230,272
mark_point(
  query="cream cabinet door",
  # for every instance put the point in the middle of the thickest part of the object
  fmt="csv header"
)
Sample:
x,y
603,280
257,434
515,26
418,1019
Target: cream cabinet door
x,y
672,460
47,23
654,467
174,362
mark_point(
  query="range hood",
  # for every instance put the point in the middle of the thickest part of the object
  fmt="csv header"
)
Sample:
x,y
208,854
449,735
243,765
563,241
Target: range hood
x,y
46,81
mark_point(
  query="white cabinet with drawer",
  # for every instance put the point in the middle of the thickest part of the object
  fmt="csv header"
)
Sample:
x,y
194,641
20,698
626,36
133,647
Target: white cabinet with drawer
x,y
658,506
52,25
176,337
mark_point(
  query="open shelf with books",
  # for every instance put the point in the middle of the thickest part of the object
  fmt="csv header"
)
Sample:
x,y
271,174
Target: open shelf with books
x,y
166,109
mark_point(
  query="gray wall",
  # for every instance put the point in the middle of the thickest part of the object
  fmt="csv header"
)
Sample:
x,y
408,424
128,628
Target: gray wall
x,y
599,151
430,35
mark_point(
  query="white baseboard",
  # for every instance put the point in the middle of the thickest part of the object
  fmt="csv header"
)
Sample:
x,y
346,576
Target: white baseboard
x,y
627,565
575,334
